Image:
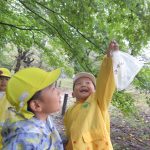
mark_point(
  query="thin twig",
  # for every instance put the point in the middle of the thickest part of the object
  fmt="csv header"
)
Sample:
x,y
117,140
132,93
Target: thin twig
x,y
20,28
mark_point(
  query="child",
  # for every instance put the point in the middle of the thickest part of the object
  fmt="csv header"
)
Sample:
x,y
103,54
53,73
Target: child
x,y
34,97
87,121
4,104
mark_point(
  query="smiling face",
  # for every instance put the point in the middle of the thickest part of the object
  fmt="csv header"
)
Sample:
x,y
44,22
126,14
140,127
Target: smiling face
x,y
83,88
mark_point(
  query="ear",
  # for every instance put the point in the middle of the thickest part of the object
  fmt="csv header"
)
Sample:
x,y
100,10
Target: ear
x,y
35,106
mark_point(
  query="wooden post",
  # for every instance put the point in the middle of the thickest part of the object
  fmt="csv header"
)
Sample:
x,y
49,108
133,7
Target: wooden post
x,y
64,104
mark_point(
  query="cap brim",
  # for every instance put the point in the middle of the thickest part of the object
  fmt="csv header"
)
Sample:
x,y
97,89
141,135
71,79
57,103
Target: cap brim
x,y
51,78
5,72
3,75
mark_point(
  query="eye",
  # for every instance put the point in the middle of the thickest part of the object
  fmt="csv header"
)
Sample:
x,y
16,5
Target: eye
x,y
54,87
78,83
87,82
51,87
7,79
4,78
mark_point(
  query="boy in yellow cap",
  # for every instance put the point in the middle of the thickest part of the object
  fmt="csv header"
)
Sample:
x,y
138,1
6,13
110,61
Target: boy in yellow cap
x,y
34,97
87,121
4,104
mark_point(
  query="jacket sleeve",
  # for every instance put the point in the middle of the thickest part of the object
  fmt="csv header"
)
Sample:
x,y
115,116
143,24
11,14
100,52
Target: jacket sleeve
x,y
105,83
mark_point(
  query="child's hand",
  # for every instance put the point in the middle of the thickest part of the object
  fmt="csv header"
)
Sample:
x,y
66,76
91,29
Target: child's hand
x,y
113,46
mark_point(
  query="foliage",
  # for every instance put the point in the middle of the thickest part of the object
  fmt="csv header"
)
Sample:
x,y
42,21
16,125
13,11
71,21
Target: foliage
x,y
142,81
124,102
74,35
80,27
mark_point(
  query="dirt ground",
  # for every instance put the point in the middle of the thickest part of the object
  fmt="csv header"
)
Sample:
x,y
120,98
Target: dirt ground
x,y
130,133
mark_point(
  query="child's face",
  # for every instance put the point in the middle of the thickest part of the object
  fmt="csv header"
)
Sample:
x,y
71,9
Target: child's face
x,y
3,83
50,100
83,88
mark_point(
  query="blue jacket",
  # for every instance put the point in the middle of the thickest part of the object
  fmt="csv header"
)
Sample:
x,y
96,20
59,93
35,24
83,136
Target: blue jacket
x,y
31,134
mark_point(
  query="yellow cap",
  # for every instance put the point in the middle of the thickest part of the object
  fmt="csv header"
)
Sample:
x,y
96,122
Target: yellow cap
x,y
5,72
25,83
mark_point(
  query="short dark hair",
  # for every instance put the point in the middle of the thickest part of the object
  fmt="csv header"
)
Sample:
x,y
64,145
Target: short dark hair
x,y
37,95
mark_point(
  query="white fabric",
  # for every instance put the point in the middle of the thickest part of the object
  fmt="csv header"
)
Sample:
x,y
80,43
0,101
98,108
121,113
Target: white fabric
x,y
125,68
2,94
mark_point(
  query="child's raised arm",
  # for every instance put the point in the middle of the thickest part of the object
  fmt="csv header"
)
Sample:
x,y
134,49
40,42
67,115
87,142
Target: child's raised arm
x,y
118,70
105,84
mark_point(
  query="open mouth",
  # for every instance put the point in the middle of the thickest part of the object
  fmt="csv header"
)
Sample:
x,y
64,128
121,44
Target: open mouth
x,y
84,90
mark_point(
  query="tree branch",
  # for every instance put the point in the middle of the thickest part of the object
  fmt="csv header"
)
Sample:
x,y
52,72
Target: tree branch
x,y
57,31
77,30
20,28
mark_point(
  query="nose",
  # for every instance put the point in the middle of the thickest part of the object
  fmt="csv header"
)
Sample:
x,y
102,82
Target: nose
x,y
83,84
